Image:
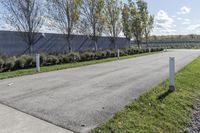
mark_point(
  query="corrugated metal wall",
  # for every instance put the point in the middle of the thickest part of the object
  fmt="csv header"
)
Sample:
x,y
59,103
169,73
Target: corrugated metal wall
x,y
12,44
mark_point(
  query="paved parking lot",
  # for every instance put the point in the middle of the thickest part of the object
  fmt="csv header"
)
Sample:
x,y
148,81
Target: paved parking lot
x,y
81,98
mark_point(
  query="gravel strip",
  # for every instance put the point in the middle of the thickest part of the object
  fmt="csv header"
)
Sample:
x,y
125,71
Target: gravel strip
x,y
195,125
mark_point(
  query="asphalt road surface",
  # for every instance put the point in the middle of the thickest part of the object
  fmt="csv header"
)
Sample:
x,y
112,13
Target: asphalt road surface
x,y
81,98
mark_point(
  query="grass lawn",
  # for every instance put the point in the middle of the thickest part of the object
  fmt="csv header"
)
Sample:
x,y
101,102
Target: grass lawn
x,y
22,72
149,114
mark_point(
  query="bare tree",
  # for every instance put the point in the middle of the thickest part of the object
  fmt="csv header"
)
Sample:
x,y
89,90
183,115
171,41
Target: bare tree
x,y
113,20
92,19
25,17
65,14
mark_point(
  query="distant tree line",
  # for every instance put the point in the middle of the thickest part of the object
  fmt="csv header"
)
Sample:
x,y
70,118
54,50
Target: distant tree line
x,y
174,37
93,18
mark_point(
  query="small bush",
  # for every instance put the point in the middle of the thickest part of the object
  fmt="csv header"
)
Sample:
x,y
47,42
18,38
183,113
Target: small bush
x,y
74,57
113,54
30,62
60,59
141,51
108,53
1,64
43,58
86,56
25,61
66,59
101,54
9,63
123,53
20,63
52,60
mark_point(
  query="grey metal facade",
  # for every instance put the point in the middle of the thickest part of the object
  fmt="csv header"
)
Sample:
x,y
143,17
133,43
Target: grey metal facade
x,y
12,44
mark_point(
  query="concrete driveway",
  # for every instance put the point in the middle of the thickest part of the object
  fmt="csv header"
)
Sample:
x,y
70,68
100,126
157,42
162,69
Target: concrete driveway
x,y
81,98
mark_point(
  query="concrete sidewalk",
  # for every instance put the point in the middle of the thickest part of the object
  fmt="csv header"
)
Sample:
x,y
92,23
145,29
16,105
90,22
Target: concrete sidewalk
x,y
13,121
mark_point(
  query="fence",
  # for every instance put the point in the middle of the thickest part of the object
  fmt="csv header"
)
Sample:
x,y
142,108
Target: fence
x,y
12,44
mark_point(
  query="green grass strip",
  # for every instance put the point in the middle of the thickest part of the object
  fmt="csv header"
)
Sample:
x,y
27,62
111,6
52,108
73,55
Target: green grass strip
x,y
148,114
31,71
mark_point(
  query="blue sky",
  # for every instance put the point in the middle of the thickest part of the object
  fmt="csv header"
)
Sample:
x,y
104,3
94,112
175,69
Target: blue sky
x,y
175,16
171,16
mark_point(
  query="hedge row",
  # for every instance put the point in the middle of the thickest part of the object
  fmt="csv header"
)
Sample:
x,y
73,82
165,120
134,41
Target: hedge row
x,y
28,61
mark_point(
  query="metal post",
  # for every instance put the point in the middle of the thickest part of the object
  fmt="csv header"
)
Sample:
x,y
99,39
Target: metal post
x,y
38,62
171,73
118,54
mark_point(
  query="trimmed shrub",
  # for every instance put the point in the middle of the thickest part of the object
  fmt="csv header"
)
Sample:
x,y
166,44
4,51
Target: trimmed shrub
x,y
43,59
113,54
123,53
52,60
1,64
25,61
86,56
108,53
74,57
141,51
101,54
20,63
60,59
66,59
9,63
28,61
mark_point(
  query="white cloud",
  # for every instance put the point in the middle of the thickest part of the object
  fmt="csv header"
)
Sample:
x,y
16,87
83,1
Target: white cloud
x,y
179,18
48,26
163,17
184,10
164,23
186,21
6,27
194,27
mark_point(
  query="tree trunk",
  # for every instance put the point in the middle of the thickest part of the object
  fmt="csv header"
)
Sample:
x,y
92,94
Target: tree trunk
x,y
114,41
129,41
69,36
114,37
30,49
138,43
147,41
95,44
69,45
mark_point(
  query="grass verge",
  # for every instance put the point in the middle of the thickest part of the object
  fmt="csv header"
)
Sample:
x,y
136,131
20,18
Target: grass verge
x,y
23,72
170,114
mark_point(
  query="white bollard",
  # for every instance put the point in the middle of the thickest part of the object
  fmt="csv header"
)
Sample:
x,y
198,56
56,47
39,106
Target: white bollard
x,y
118,54
172,74
149,50
38,62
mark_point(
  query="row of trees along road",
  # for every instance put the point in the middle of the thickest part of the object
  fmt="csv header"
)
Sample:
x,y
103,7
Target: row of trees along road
x,y
93,18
